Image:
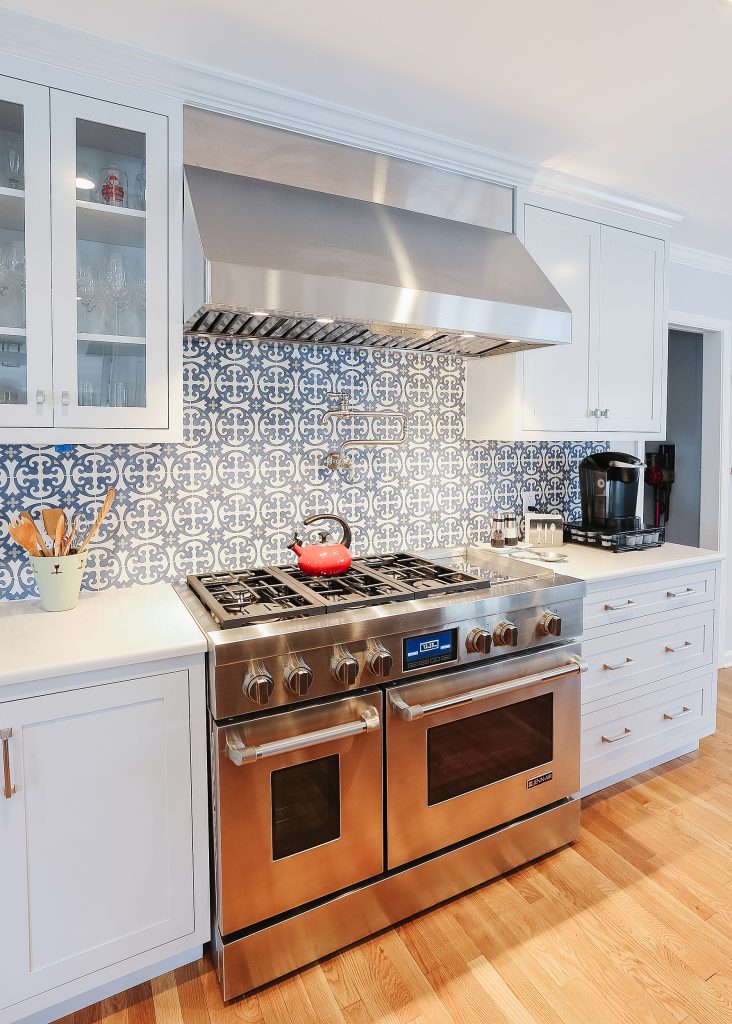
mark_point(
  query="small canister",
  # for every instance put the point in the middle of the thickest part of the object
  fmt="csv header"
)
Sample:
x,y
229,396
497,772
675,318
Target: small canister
x,y
498,531
511,529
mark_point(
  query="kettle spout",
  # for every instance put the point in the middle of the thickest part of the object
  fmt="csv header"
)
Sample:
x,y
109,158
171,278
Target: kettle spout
x,y
295,546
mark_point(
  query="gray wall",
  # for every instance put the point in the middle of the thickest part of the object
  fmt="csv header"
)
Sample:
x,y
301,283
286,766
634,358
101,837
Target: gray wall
x,y
684,429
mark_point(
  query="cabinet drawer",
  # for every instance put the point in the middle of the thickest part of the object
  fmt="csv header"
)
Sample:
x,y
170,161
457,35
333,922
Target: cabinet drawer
x,y
621,602
629,658
616,738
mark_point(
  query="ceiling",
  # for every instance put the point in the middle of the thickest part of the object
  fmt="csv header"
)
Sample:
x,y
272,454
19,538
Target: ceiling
x,y
634,94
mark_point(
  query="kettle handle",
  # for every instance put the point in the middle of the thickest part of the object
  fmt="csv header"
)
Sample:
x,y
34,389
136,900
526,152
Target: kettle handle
x,y
346,542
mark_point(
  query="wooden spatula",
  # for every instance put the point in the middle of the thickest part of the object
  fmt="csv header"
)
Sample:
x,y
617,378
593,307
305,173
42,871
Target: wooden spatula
x,y
23,533
58,539
43,550
98,521
50,518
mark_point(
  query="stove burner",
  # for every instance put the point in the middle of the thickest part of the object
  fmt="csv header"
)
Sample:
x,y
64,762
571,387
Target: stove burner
x,y
358,587
427,577
247,596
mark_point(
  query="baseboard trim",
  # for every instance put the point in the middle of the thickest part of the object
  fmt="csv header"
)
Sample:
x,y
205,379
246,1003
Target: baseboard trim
x,y
654,762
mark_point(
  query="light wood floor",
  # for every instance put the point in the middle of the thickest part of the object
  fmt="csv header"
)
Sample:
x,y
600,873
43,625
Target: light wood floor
x,y
632,924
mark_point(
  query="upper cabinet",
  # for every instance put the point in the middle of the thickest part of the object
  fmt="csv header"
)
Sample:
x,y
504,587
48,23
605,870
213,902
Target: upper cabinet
x,y
610,379
90,328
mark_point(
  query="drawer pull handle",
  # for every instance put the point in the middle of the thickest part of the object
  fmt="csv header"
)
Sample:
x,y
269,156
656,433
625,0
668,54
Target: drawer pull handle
x,y
679,714
670,649
8,787
619,736
619,664
680,593
615,606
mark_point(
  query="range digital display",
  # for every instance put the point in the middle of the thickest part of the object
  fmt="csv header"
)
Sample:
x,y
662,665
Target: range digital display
x,y
430,649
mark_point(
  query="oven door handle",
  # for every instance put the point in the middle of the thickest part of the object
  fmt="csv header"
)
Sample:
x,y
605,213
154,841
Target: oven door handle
x,y
238,752
410,712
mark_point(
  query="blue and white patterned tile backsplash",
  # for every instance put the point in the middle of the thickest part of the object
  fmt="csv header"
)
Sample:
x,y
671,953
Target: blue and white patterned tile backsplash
x,y
249,469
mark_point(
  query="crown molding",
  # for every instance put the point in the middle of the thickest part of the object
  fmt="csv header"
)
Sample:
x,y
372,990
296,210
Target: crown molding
x,y
701,260
72,50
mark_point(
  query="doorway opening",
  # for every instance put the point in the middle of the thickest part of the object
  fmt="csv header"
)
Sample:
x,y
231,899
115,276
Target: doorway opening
x,y
675,466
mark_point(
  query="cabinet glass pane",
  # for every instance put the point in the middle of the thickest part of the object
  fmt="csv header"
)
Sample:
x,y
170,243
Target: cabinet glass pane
x,y
306,806
12,217
110,230
13,370
482,749
111,374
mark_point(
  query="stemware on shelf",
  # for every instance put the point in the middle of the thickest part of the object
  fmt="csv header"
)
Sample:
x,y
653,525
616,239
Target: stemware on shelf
x,y
87,290
113,186
141,182
116,283
14,155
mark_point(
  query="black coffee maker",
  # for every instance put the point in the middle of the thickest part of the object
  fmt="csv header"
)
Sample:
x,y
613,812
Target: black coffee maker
x,y
609,491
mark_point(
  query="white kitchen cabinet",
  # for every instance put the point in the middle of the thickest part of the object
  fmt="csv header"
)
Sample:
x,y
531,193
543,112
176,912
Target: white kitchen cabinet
x,y
96,837
98,356
651,643
610,380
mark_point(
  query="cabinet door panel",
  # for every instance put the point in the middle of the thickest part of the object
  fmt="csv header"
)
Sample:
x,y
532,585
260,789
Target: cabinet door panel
x,y
25,257
560,381
631,331
110,230
98,832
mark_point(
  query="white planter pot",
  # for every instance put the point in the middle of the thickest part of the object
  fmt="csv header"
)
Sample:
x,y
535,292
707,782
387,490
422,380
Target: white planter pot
x,y
59,580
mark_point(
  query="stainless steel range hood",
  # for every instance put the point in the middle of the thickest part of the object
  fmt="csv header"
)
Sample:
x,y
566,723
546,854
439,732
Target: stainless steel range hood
x,y
283,262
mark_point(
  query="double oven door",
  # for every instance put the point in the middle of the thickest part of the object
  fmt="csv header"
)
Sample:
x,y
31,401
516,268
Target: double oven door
x,y
470,750
298,808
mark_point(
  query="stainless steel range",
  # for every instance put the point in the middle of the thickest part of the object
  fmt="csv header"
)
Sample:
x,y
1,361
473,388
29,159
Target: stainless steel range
x,y
380,741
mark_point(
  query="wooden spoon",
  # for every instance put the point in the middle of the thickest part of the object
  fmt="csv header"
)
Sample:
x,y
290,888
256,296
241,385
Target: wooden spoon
x,y
43,550
51,518
98,521
23,533
59,535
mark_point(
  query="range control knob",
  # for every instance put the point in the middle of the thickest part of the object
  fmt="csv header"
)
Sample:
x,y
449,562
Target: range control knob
x,y
298,676
344,666
478,641
258,683
506,634
379,659
550,624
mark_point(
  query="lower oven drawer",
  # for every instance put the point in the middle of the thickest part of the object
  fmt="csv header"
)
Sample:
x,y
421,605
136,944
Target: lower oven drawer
x,y
617,738
470,750
298,807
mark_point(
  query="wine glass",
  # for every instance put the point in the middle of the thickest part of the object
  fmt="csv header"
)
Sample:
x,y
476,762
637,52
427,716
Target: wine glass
x,y
15,257
15,160
87,289
5,280
117,286
141,183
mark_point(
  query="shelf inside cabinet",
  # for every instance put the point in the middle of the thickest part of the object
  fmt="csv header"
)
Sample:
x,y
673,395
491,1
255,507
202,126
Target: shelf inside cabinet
x,y
12,209
111,339
115,225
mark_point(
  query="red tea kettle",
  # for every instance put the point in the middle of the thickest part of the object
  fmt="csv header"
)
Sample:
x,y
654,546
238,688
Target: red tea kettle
x,y
323,559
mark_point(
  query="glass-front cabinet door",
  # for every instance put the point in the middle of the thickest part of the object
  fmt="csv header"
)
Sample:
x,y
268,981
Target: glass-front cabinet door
x,y
25,258
109,222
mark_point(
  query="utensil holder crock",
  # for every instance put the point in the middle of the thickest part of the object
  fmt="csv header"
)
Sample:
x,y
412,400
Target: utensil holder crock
x,y
59,580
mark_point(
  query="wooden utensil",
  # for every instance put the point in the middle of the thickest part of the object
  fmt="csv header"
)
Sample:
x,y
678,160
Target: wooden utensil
x,y
59,535
67,543
50,518
43,550
98,521
23,533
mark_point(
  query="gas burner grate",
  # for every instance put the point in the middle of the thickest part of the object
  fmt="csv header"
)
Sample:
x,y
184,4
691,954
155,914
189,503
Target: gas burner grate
x,y
425,577
248,596
358,587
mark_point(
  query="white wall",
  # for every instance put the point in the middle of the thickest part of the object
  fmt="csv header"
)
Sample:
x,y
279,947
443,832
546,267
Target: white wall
x,y
707,293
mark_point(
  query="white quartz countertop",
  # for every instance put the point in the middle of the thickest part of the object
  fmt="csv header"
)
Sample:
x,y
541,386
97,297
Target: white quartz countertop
x,y
106,630
592,564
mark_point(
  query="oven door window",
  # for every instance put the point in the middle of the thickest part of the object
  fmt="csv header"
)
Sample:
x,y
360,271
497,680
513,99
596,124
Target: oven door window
x,y
306,806
482,749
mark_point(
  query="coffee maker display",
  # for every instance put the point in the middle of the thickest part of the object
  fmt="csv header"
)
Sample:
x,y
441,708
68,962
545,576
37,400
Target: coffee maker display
x,y
609,484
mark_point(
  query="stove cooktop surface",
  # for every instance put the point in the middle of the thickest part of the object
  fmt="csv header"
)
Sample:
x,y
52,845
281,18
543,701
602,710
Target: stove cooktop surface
x,y
249,596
